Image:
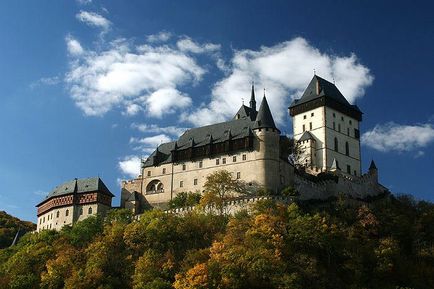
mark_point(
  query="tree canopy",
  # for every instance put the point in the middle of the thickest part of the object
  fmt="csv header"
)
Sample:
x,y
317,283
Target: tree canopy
x,y
341,243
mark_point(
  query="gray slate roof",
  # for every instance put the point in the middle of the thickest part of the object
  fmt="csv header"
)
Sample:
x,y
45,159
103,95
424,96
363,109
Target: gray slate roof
x,y
326,89
306,136
264,119
215,133
79,186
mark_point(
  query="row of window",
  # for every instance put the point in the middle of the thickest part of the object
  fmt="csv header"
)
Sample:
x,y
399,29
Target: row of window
x,y
200,164
181,183
50,217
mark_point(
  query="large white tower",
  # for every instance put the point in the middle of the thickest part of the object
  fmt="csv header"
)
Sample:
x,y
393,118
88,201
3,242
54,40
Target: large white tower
x,y
327,126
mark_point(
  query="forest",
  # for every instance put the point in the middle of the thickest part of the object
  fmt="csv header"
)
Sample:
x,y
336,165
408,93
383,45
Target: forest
x,y
338,243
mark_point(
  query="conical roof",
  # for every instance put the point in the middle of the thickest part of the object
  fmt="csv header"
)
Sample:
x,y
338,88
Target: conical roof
x,y
372,166
264,119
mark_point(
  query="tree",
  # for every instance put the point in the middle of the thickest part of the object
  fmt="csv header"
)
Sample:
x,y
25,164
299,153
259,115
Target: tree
x,y
220,187
184,199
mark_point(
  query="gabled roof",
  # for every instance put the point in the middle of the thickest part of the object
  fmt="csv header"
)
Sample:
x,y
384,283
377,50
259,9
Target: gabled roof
x,y
79,186
306,136
245,112
264,119
319,87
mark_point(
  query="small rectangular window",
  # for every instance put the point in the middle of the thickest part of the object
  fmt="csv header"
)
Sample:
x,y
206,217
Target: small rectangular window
x,y
184,167
195,182
181,184
310,126
224,161
334,115
238,175
342,118
164,171
304,128
304,116
200,164
311,114
149,173
349,169
217,161
348,131
339,127
334,125
244,157
351,122
355,172
234,159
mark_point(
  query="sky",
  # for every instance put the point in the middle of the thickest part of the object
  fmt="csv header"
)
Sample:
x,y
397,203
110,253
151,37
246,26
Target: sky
x,y
89,87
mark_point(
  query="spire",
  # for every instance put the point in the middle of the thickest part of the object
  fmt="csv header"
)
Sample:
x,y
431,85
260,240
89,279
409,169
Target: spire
x,y
253,98
334,166
264,119
372,166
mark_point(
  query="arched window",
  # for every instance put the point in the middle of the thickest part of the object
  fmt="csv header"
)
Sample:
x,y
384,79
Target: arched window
x,y
89,211
347,149
336,144
57,214
67,213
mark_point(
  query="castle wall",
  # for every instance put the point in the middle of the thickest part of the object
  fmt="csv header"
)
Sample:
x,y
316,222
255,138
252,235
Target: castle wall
x,y
353,186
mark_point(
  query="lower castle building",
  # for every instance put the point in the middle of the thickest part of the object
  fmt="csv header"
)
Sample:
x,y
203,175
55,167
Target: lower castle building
x,y
73,201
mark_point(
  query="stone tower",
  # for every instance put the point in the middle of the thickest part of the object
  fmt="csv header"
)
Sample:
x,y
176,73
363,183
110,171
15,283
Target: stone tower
x,y
327,127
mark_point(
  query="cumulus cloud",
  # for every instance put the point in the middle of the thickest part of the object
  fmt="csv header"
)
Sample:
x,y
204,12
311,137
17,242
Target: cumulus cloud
x,y
130,166
285,70
162,36
399,138
186,44
131,77
153,128
73,46
93,19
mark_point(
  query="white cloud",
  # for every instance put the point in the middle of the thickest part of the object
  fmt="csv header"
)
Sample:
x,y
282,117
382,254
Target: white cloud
x,y
40,193
153,128
285,70
151,142
162,36
84,2
123,75
166,100
93,19
74,47
186,44
130,166
49,81
399,138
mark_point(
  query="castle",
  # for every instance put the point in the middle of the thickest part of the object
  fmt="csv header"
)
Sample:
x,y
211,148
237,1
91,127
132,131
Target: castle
x,y
326,134
326,128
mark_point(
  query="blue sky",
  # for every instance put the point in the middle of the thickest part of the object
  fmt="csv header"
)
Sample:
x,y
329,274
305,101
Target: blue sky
x,y
87,87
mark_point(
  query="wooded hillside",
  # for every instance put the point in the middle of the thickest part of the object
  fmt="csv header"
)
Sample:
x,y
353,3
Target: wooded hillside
x,y
387,243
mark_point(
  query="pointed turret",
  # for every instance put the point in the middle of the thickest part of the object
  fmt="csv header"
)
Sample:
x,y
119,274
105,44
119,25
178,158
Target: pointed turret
x,y
334,166
372,166
253,99
264,119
